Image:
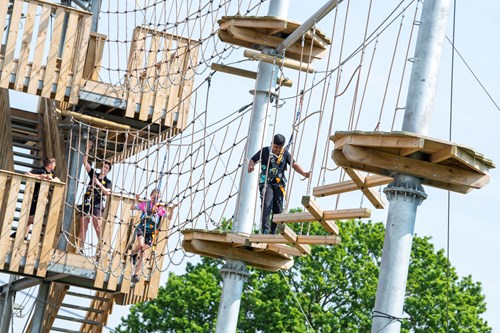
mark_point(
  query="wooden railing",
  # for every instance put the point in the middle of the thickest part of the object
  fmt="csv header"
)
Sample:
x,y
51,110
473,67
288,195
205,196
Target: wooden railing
x,y
35,26
31,256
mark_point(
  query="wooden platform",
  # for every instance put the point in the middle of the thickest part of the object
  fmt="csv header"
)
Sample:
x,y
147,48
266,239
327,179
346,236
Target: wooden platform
x,y
440,164
257,32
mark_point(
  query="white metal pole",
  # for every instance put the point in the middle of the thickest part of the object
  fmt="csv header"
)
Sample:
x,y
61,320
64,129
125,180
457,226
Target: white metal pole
x,y
234,273
406,193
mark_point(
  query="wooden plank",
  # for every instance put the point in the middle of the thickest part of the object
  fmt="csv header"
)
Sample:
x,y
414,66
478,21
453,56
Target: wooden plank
x,y
451,178
283,250
455,153
67,59
288,63
120,246
10,47
330,226
339,214
71,259
380,141
4,192
163,80
19,242
36,69
104,243
319,240
245,73
275,25
291,238
134,70
36,230
150,79
190,61
25,46
312,207
154,281
81,54
10,208
266,238
3,20
53,55
350,185
370,193
172,91
51,229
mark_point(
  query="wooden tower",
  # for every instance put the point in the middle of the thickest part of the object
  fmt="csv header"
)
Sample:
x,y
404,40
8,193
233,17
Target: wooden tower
x,y
53,54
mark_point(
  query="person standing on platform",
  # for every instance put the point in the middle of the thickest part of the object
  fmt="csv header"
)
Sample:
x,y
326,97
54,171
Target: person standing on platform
x,y
46,172
93,201
273,163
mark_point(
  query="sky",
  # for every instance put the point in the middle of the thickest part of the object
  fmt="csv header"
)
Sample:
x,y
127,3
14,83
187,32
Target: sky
x,y
464,224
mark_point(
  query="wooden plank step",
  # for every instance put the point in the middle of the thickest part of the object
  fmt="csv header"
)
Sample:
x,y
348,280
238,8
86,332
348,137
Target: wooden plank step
x,y
23,129
370,193
82,308
79,320
72,293
20,137
25,164
25,146
350,185
319,240
22,120
24,155
340,214
65,330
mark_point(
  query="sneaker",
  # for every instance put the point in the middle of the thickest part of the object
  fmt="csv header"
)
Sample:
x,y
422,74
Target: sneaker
x,y
133,258
135,278
13,235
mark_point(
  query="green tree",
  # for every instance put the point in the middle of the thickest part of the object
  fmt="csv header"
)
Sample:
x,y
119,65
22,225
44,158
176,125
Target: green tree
x,y
331,290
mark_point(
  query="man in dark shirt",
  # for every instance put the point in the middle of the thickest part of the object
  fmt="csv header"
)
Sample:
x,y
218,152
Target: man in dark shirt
x,y
93,201
46,172
272,181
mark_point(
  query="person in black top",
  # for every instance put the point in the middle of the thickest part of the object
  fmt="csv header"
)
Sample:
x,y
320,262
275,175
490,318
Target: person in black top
x,y
46,172
272,181
93,201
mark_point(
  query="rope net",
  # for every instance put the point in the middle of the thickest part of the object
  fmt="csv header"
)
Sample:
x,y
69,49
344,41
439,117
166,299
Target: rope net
x,y
198,168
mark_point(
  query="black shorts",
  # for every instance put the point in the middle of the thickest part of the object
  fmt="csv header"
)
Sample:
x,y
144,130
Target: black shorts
x,y
140,230
95,210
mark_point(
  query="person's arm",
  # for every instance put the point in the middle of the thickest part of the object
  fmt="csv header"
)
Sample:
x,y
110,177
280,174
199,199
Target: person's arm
x,y
296,166
86,163
34,173
254,160
135,203
106,190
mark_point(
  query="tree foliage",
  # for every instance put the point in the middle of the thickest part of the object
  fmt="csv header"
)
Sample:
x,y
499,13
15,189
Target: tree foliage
x,y
331,290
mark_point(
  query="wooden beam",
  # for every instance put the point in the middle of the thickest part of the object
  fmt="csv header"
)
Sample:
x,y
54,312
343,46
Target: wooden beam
x,y
255,23
319,240
312,207
93,120
289,63
246,73
350,185
340,214
371,194
380,141
291,238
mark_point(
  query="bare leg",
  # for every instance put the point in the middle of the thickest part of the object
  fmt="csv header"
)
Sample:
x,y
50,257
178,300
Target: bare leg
x,y
28,227
82,233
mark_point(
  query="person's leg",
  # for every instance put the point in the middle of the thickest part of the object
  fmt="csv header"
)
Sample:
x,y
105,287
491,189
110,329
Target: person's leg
x,y
82,233
277,205
143,244
266,196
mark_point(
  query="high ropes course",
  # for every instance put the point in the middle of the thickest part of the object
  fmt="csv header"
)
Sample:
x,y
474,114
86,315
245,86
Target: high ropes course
x,y
149,91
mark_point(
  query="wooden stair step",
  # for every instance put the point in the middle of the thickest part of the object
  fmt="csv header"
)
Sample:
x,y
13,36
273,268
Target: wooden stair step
x,y
350,185
79,320
65,330
82,308
22,120
24,155
72,293
340,214
25,146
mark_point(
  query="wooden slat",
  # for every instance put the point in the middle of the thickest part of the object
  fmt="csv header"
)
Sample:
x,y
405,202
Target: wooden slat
x,y
340,214
371,194
19,242
330,226
104,243
381,141
312,207
154,281
163,80
51,229
3,19
71,38
319,240
120,246
10,208
3,199
266,238
150,80
81,54
53,55
135,69
10,48
36,230
36,69
291,237
254,23
187,53
350,185
172,91
25,46
289,63
246,73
